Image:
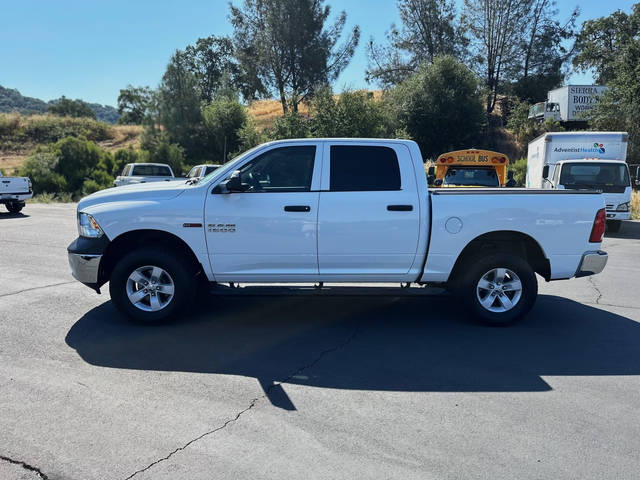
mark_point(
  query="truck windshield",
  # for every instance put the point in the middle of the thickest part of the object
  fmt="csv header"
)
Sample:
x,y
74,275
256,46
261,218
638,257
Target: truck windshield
x,y
608,177
471,176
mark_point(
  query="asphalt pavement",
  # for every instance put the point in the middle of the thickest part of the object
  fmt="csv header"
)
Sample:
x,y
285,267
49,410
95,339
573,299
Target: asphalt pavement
x,y
316,388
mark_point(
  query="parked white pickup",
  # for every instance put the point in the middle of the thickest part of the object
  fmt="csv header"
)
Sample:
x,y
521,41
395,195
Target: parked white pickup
x,y
14,191
144,173
332,210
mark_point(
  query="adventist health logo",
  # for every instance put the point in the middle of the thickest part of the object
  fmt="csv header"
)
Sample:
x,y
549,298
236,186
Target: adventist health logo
x,y
597,148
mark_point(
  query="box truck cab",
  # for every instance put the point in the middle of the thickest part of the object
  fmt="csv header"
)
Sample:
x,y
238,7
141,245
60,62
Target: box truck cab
x,y
584,161
471,168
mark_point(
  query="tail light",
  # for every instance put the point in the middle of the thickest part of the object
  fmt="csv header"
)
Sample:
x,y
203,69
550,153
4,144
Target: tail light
x,y
443,160
503,160
450,159
494,160
597,231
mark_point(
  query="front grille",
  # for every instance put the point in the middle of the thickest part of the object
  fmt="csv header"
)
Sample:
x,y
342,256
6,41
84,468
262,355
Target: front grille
x,y
609,206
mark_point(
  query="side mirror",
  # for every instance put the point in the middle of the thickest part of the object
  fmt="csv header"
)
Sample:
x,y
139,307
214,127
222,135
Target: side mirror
x,y
431,179
438,182
545,171
230,185
431,172
510,175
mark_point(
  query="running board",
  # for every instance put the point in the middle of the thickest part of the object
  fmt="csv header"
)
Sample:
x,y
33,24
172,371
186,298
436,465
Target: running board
x,y
328,291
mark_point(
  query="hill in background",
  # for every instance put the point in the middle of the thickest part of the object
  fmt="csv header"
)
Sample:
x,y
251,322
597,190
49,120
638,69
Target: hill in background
x,y
11,100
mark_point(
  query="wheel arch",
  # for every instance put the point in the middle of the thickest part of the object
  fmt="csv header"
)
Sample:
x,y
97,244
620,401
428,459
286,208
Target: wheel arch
x,y
504,241
129,241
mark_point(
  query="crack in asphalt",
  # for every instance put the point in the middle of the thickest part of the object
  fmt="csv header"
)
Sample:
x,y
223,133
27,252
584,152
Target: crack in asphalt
x,y
595,287
36,288
252,403
26,466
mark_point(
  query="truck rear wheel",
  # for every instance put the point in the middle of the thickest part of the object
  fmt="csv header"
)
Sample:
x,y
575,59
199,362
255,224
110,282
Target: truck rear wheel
x,y
152,285
498,289
15,207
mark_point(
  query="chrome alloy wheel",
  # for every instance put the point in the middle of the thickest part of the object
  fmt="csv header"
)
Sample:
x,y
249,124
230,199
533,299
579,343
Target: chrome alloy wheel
x,y
150,288
499,290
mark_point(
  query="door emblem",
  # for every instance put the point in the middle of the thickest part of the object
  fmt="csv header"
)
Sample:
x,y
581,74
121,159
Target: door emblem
x,y
221,227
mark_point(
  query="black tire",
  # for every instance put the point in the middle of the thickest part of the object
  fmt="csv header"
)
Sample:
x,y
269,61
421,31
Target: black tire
x,y
476,268
181,272
15,207
614,226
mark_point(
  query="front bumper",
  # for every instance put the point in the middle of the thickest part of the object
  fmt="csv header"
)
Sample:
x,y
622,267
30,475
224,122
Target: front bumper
x,y
85,267
85,256
615,215
592,263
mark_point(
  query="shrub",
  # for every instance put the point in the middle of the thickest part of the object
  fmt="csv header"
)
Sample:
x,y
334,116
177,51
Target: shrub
x,y
352,114
49,128
290,125
223,120
519,169
440,107
40,168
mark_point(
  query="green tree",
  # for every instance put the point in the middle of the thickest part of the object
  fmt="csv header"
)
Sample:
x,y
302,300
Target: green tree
x,y
224,120
65,107
179,108
601,42
212,62
429,29
497,33
285,47
440,107
40,167
134,104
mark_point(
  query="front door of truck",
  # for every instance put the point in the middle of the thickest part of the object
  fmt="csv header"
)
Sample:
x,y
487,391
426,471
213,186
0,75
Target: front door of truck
x,y
369,214
268,231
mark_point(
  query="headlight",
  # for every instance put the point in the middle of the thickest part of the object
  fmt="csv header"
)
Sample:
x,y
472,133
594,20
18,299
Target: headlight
x,y
623,207
88,227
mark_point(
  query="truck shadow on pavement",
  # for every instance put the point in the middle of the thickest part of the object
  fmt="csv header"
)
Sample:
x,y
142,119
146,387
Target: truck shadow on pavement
x,y
373,343
8,215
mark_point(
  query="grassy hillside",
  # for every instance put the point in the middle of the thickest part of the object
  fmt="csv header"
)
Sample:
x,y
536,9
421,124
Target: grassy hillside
x,y
20,135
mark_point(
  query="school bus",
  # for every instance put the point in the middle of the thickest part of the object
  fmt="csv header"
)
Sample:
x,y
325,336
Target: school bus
x,y
471,168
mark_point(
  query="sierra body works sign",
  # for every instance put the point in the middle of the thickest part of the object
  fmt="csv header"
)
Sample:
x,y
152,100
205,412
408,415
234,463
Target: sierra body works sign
x,y
576,101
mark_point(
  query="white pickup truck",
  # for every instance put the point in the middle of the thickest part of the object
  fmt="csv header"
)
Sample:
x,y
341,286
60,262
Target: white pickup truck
x,y
144,173
333,210
14,191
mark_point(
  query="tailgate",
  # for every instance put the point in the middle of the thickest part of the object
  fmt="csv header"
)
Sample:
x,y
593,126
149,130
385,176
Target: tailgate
x,y
13,185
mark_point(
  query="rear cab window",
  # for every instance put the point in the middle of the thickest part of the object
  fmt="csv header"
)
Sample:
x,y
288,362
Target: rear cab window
x,y
357,168
151,171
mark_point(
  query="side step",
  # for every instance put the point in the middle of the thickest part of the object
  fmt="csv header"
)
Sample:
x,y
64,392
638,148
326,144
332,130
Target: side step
x,y
309,290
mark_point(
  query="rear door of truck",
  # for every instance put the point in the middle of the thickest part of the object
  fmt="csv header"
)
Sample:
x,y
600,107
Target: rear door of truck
x,y
369,211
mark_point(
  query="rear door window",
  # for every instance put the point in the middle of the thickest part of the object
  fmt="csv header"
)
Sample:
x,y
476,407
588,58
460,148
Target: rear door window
x,y
357,168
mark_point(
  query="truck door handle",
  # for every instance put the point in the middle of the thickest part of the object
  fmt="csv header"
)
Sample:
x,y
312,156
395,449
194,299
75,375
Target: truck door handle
x,y
400,208
297,208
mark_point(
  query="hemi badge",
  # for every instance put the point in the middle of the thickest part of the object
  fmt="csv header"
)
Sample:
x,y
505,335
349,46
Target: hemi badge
x,y
192,225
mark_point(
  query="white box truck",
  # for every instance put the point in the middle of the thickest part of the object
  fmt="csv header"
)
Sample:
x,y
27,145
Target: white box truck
x,y
584,161
571,103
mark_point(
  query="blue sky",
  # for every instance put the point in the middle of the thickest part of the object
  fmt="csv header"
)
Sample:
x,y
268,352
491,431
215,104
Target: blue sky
x,y
90,49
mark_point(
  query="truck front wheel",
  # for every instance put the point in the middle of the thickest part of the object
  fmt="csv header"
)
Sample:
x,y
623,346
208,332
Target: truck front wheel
x,y
499,288
152,285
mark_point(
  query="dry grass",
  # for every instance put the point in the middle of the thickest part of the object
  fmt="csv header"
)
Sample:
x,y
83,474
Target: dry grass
x,y
21,134
635,205
266,111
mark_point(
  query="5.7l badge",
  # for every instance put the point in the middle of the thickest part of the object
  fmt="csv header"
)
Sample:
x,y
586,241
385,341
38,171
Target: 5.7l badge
x,y
221,227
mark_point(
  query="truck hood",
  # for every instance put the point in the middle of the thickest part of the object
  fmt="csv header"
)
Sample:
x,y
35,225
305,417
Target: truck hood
x,y
138,191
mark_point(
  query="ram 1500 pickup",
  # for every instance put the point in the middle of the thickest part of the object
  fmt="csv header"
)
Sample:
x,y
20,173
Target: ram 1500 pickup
x,y
333,210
